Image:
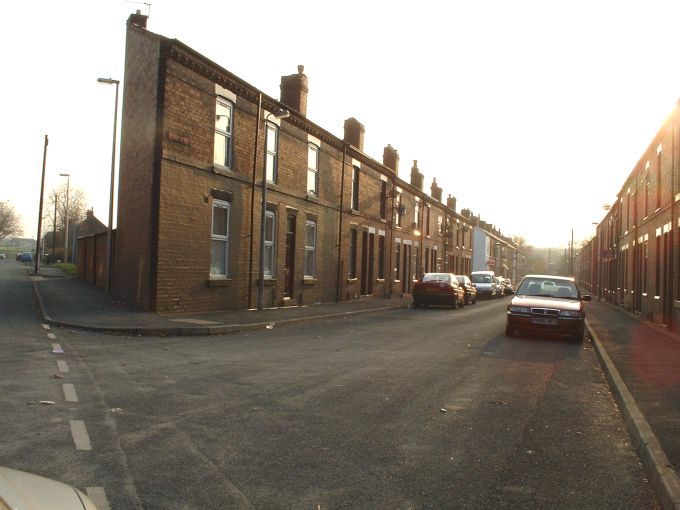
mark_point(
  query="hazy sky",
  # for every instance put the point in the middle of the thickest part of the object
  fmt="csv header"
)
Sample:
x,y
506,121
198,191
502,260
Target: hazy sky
x,y
531,113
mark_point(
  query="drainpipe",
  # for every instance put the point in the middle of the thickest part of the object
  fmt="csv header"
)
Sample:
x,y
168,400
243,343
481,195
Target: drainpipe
x,y
342,204
252,201
391,245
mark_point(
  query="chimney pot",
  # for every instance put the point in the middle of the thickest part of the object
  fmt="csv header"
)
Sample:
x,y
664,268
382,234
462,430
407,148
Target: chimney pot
x,y
294,91
391,158
451,203
435,191
138,19
416,176
354,133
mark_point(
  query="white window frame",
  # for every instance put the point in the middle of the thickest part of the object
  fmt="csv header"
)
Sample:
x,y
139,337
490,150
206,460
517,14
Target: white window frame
x,y
272,171
225,136
223,238
355,188
313,168
270,245
310,250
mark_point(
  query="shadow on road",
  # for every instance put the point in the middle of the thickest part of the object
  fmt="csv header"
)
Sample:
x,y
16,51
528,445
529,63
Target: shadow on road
x,y
532,348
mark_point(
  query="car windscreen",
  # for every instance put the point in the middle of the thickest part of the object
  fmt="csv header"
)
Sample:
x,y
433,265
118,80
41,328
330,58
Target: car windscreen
x,y
481,278
437,277
545,287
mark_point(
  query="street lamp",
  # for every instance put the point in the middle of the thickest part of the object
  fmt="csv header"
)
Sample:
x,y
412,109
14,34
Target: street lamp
x,y
109,232
279,114
68,182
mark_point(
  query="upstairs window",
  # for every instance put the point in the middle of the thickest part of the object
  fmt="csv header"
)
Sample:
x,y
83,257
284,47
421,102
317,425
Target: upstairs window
x,y
312,169
658,181
272,161
223,132
398,211
383,200
427,220
355,188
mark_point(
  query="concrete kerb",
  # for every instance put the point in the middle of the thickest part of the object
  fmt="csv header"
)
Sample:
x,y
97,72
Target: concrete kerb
x,y
663,477
221,329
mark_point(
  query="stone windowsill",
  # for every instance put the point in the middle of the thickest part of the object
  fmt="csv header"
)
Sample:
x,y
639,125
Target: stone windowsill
x,y
219,282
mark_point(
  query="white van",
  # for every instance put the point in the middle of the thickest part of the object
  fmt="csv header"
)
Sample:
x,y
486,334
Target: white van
x,y
485,282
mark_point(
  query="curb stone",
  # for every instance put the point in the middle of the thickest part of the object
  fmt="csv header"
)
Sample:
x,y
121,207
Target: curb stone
x,y
664,479
221,329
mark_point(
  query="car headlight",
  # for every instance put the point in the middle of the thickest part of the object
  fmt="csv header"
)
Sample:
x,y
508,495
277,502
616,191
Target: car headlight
x,y
519,309
569,314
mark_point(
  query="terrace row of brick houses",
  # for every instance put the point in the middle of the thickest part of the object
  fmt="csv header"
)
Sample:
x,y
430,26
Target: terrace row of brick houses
x,y
197,140
633,260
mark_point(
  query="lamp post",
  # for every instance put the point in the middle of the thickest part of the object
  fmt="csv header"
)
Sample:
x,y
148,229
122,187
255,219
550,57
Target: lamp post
x,y
279,114
109,231
40,208
68,182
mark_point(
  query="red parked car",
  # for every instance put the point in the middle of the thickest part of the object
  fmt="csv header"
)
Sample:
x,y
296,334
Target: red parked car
x,y
438,289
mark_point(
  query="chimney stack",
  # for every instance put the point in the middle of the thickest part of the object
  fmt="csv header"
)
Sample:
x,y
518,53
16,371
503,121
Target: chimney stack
x,y
416,176
354,133
138,19
451,202
435,191
294,91
391,158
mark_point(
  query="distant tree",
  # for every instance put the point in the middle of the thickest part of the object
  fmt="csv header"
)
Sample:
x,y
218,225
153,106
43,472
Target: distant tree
x,y
10,221
76,206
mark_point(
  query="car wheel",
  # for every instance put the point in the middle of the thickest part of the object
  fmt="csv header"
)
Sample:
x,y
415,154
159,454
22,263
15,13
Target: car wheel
x,y
509,331
454,303
474,301
417,303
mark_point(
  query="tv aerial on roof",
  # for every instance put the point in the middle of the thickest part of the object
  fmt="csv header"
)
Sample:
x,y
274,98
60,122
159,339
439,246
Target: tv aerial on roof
x,y
148,6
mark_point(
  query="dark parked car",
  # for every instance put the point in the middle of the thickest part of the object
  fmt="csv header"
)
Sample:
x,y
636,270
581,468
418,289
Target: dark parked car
x,y
469,289
547,304
438,289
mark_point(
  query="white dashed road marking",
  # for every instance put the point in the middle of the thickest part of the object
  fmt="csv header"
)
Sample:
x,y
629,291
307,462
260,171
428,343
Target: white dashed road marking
x,y
98,497
80,436
62,366
46,326
56,349
70,393
51,336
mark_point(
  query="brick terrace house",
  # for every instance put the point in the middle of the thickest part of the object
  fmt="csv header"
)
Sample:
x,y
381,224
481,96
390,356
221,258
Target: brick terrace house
x,y
633,259
196,141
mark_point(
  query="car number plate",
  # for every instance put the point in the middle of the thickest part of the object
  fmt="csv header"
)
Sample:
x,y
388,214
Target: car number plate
x,y
543,320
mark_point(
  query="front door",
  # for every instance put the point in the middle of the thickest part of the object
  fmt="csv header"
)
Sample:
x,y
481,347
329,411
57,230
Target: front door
x,y
290,257
364,263
406,280
371,256
666,297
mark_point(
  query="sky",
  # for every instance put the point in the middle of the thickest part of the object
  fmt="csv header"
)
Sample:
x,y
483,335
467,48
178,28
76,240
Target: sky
x,y
531,113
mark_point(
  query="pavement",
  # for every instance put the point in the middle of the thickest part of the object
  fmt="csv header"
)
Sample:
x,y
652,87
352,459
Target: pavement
x,y
641,360
69,302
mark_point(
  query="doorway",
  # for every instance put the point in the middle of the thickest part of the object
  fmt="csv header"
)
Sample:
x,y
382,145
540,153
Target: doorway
x,y
289,269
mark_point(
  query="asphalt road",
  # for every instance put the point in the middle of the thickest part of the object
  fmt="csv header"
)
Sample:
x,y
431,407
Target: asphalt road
x,y
430,408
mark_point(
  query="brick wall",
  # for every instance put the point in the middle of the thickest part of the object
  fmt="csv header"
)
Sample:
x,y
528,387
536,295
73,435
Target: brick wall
x,y
136,219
